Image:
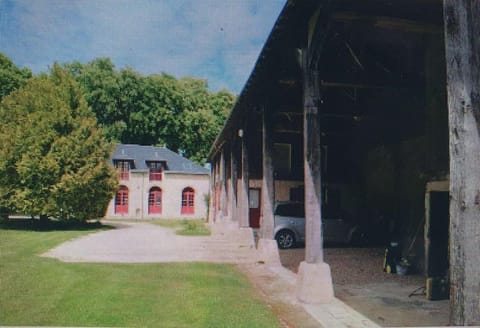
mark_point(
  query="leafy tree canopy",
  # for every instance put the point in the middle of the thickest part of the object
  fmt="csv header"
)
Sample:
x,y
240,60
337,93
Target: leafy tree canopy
x,y
11,77
181,114
53,157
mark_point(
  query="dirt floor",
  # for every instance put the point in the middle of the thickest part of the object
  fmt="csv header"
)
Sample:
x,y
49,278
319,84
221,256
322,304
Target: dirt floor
x,y
360,282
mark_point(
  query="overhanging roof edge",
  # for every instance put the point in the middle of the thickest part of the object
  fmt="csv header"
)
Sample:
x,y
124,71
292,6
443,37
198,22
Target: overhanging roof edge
x,y
237,107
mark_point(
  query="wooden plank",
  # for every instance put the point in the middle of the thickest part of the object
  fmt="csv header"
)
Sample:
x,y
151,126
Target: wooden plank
x,y
462,31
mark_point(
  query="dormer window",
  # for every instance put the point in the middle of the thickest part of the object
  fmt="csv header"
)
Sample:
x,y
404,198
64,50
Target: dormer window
x,y
156,170
123,168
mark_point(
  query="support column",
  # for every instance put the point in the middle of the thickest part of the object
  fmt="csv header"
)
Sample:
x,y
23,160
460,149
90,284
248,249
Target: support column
x,y
462,28
233,183
223,186
228,184
211,201
268,191
244,186
267,245
314,277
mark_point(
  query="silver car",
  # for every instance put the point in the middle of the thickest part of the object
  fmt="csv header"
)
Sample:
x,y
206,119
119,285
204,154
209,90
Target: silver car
x,y
289,220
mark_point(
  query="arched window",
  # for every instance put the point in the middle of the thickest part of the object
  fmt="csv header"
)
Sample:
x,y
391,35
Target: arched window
x,y
121,200
155,201
188,201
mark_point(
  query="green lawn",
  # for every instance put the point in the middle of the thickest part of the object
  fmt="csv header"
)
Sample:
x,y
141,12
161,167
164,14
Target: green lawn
x,y
191,227
37,291
185,227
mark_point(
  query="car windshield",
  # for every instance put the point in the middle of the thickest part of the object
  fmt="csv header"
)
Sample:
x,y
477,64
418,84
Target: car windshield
x,y
292,209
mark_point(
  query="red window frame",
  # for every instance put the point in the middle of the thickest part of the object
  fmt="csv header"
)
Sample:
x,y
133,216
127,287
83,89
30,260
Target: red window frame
x,y
155,201
123,168
188,201
121,200
156,170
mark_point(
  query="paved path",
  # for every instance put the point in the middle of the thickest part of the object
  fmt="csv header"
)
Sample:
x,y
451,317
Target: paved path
x,y
134,242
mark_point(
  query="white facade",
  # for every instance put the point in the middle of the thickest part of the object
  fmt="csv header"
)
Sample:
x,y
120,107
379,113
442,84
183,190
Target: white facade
x,y
172,185
179,191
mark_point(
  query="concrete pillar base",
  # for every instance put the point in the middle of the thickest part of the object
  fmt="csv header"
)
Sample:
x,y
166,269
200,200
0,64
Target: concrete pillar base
x,y
246,235
314,283
267,252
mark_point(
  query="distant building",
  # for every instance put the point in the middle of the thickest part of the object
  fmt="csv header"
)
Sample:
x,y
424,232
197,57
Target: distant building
x,y
156,182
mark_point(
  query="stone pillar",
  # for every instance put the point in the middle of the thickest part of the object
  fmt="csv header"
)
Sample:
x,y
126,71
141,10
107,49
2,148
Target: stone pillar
x,y
243,207
462,30
268,191
314,277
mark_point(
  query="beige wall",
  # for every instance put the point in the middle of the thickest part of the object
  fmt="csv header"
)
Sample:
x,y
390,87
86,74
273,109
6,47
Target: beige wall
x,y
282,188
172,185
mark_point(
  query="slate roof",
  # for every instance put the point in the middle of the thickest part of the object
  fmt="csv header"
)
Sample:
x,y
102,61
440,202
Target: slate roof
x,y
140,155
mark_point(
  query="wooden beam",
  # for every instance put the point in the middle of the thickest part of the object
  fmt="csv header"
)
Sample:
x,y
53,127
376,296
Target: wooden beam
x,y
358,85
385,22
288,131
320,24
288,113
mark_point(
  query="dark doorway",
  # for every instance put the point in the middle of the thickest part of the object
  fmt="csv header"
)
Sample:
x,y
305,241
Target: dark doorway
x,y
437,241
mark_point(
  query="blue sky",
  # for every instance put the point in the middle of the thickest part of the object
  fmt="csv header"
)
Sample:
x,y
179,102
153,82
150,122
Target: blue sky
x,y
218,40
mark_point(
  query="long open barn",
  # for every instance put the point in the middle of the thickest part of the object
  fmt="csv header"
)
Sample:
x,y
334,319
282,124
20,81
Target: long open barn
x,y
366,110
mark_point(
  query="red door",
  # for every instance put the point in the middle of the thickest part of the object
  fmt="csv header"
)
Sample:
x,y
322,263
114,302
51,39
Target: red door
x,y
155,201
121,200
254,207
188,201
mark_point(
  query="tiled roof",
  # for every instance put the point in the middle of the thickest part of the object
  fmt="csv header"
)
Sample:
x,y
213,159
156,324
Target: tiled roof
x,y
140,155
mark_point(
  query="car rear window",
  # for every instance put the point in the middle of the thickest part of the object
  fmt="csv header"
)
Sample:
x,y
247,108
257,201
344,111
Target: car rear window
x,y
295,210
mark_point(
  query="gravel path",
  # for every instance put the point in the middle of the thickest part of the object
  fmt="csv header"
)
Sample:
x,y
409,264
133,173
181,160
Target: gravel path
x,y
142,242
360,282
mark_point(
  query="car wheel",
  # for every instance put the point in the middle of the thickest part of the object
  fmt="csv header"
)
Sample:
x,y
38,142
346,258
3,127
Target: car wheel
x,y
285,239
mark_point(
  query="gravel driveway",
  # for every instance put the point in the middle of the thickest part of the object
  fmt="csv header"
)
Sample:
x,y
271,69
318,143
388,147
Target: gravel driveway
x,y
133,242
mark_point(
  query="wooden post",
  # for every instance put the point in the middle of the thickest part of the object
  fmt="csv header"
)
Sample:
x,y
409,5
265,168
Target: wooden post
x,y
268,192
228,183
223,186
312,166
462,31
233,182
243,199
211,202
314,284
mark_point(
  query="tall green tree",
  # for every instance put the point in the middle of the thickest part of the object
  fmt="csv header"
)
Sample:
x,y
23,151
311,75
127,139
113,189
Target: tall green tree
x,y
53,157
11,76
99,82
181,114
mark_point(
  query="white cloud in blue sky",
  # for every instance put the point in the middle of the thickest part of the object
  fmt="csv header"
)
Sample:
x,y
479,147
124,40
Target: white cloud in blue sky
x,y
218,40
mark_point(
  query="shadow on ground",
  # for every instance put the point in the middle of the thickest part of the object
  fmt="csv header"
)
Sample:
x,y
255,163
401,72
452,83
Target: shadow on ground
x,y
360,282
51,225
